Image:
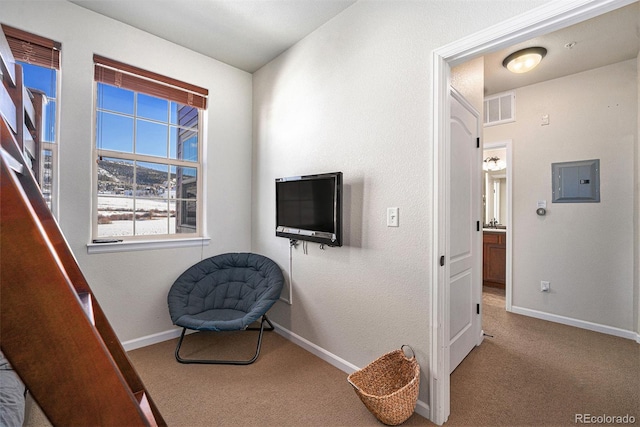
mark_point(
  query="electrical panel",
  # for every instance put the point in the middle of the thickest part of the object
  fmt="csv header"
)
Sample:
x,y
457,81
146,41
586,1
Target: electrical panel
x,y
576,182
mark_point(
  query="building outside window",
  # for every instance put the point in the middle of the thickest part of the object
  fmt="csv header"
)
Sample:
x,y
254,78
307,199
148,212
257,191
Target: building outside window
x,y
42,84
38,60
148,133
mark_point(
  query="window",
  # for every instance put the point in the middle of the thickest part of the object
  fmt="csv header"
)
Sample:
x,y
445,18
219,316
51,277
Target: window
x,y
148,180
39,59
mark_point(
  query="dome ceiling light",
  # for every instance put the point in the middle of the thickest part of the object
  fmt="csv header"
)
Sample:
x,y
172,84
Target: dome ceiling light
x,y
524,60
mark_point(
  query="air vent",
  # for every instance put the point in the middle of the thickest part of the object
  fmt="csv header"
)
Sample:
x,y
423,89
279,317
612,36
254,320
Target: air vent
x,y
500,108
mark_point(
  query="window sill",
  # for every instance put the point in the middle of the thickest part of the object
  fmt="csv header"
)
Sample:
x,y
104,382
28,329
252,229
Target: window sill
x,y
145,245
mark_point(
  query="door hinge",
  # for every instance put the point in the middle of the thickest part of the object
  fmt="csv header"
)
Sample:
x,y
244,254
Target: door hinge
x,y
442,261
478,142
477,308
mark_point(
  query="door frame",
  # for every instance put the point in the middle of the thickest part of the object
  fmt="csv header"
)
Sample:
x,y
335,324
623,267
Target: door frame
x,y
506,144
547,18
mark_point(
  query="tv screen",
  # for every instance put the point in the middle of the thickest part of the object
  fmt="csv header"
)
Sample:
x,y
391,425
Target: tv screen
x,y
310,208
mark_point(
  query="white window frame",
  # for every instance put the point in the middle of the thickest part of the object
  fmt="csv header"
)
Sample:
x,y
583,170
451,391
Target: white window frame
x,y
35,50
160,241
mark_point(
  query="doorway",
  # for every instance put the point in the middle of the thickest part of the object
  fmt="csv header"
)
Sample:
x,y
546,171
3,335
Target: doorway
x,y
506,213
545,19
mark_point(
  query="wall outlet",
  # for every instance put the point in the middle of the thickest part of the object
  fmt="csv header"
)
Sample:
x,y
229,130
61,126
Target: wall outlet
x,y
545,286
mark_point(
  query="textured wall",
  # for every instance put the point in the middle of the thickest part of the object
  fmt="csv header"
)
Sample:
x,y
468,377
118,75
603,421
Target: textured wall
x,y
468,79
355,96
585,249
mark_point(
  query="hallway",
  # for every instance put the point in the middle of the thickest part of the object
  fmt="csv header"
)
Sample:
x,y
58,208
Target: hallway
x,y
534,372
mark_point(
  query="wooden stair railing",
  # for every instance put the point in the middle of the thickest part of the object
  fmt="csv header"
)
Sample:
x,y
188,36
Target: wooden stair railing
x,y
52,329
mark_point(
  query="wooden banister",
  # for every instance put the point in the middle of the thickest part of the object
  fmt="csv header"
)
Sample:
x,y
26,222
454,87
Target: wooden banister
x,y
71,361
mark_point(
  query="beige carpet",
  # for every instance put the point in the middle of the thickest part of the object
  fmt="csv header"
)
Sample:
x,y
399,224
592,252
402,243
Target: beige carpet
x,y
286,386
531,373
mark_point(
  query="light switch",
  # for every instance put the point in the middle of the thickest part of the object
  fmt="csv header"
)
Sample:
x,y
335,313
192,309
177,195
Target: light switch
x,y
392,217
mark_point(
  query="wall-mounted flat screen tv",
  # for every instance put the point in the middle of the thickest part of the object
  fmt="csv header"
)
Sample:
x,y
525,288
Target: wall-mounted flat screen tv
x,y
310,208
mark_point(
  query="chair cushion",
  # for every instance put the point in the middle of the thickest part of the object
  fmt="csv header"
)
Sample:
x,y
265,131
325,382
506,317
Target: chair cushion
x,y
226,292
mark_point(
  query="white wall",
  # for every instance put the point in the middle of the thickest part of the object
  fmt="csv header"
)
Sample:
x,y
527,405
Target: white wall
x,y
468,79
585,249
132,286
355,96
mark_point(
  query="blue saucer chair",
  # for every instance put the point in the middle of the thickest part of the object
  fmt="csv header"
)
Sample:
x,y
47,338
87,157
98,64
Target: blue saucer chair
x,y
227,292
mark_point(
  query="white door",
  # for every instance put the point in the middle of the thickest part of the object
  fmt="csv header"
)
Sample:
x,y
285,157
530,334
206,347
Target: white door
x,y
465,230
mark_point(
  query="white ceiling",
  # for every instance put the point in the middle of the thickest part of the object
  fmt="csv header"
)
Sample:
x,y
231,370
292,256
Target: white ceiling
x,y
604,40
247,34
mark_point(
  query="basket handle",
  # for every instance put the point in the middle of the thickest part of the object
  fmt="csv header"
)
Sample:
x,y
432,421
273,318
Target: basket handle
x,y
412,352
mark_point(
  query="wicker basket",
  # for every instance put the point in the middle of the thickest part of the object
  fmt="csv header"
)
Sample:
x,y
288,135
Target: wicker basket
x,y
388,386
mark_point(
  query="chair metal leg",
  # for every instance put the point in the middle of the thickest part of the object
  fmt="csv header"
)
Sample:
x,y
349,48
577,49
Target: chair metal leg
x,y
227,362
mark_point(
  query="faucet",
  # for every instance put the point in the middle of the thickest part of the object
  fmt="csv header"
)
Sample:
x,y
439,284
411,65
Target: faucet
x,y
493,223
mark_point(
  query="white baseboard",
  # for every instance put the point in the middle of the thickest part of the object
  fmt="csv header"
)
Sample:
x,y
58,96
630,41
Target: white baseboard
x,y
596,327
320,352
422,408
151,339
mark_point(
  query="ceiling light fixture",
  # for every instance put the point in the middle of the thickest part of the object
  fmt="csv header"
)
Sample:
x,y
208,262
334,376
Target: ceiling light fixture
x,y
524,60
493,164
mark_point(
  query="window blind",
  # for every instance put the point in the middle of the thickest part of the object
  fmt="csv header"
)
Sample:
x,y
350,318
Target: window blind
x,y
129,77
33,49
